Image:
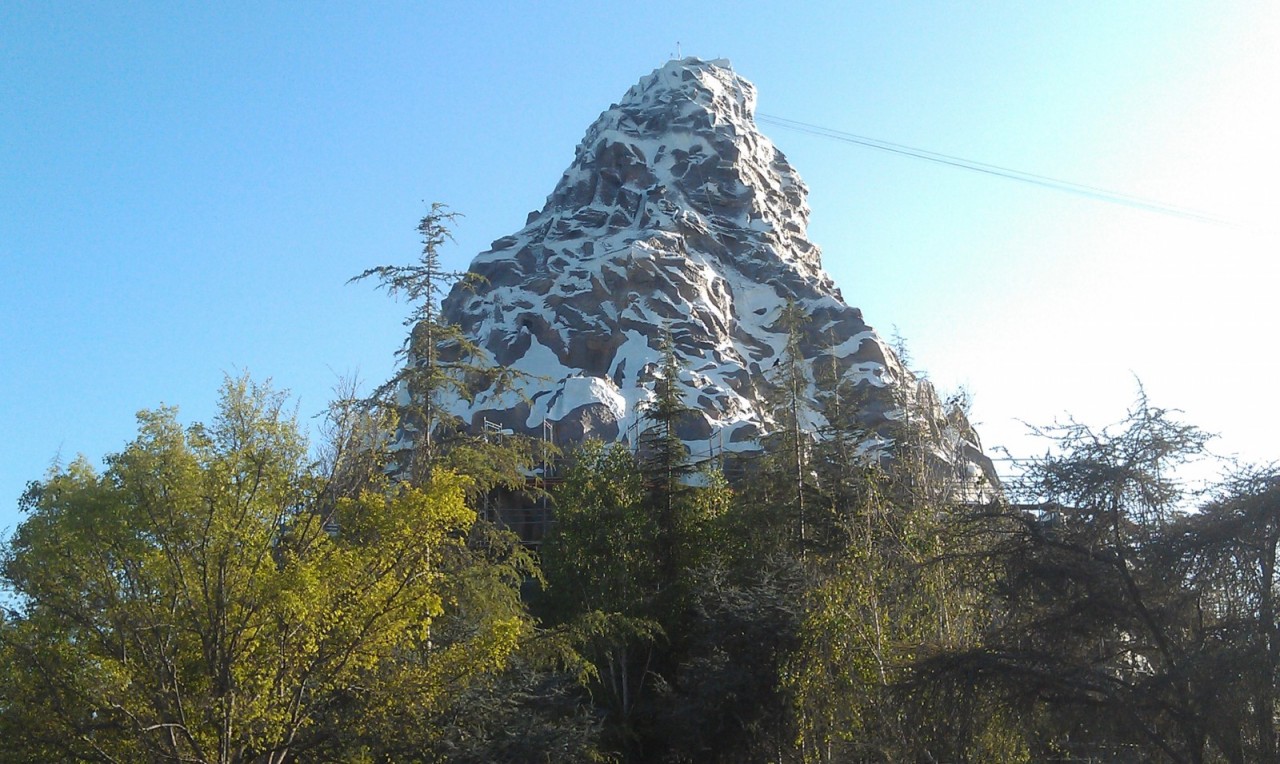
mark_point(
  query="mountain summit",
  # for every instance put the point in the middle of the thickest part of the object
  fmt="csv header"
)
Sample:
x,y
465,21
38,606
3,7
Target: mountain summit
x,y
678,219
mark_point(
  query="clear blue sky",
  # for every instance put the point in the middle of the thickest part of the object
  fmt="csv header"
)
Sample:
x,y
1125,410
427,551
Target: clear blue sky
x,y
185,188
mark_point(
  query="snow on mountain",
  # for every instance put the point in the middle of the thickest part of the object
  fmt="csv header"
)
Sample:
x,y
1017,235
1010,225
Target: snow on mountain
x,y
677,217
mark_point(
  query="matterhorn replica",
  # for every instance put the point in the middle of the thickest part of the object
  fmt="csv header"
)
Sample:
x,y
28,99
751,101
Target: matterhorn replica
x,y
680,225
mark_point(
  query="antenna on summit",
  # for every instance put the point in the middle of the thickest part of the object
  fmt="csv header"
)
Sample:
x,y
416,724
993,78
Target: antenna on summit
x,y
678,50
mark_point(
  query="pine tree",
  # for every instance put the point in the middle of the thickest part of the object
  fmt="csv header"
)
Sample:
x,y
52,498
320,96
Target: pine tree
x,y
424,377
784,485
793,383
442,365
666,466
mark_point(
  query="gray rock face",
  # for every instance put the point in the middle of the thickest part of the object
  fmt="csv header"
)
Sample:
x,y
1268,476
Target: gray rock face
x,y
677,216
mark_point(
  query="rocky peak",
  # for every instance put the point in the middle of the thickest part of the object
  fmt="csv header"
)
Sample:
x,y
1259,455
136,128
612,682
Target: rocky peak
x,y
676,218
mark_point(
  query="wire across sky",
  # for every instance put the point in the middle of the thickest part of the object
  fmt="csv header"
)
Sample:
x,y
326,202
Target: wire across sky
x,y
1056,184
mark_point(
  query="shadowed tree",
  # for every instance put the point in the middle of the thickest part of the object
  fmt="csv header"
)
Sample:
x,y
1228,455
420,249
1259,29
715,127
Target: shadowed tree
x,y
1100,629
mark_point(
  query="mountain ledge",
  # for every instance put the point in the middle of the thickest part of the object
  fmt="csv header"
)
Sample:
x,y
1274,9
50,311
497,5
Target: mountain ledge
x,y
678,218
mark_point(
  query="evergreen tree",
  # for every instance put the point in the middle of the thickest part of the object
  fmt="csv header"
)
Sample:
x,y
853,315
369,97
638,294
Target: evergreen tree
x,y
602,573
789,448
1227,555
441,367
1100,631
426,377
776,516
671,495
633,534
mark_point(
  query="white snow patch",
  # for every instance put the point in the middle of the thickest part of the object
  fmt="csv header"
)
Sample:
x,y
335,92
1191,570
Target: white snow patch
x,y
580,391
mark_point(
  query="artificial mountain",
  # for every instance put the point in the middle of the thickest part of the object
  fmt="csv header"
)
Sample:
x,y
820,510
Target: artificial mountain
x,y
678,219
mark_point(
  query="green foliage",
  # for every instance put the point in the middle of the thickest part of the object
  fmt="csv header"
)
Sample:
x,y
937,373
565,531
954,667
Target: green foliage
x,y
189,603
599,556
683,499
876,602
602,575
441,366
221,593
784,480
630,536
1227,554
1121,625
724,701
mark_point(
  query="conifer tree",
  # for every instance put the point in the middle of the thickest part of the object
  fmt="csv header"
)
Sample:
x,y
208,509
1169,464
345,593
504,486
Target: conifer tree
x,y
441,367
632,534
666,465
426,376
784,482
793,383
602,573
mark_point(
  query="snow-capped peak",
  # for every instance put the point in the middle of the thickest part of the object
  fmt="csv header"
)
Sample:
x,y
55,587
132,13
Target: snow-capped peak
x,y
677,218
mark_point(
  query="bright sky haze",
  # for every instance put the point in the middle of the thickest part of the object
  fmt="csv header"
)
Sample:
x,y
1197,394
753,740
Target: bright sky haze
x,y
186,188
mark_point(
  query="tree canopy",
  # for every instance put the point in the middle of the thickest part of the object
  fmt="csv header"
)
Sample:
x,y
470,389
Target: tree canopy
x,y
225,592
205,598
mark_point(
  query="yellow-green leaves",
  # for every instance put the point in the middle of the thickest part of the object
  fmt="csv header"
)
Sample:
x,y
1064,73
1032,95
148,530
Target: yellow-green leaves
x,y
205,599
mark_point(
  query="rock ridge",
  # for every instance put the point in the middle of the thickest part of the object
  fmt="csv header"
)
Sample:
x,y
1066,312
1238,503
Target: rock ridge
x,y
678,218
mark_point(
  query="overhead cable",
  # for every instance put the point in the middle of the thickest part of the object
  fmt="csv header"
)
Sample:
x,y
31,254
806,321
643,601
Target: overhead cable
x,y
1057,184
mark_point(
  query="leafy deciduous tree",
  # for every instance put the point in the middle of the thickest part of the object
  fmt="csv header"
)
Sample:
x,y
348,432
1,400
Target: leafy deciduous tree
x,y
191,603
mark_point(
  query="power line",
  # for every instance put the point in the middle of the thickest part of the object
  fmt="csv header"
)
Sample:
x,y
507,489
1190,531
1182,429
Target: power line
x,y
1057,184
